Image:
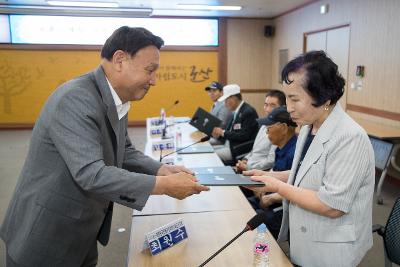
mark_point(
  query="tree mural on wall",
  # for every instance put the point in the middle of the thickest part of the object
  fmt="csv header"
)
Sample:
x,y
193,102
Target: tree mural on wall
x,y
13,81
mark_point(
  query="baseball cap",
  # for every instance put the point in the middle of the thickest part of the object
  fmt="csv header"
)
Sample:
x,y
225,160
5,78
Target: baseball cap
x,y
279,114
229,90
214,85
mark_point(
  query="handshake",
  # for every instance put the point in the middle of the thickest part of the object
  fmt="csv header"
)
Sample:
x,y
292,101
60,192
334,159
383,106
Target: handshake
x,y
177,182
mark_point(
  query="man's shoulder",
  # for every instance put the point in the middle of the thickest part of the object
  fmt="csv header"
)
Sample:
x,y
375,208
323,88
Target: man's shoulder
x,y
79,93
248,112
246,107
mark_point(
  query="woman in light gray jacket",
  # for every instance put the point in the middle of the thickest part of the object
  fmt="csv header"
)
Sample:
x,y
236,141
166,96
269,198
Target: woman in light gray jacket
x,y
328,192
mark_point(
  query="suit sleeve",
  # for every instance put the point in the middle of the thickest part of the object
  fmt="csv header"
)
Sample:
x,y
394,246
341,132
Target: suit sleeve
x,y
247,129
136,161
348,167
75,132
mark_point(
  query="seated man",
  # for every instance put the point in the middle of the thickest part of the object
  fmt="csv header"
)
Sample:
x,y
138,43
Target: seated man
x,y
242,128
262,156
281,132
218,109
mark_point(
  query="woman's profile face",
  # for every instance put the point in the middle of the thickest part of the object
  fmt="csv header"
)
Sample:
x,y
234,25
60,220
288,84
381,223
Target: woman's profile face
x,y
299,103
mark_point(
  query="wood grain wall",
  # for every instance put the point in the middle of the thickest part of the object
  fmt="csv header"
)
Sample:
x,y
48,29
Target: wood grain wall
x,y
248,53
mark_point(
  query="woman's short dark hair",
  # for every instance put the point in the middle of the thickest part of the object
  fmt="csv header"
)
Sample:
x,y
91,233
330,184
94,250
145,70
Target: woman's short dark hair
x,y
322,81
129,40
279,95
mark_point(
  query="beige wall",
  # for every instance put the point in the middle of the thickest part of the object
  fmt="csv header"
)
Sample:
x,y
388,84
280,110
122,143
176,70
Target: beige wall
x,y
374,42
256,99
248,53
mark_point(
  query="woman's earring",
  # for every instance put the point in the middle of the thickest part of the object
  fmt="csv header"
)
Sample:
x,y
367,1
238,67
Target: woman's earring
x,y
326,108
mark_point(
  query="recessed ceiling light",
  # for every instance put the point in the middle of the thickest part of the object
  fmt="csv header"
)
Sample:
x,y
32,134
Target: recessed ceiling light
x,y
83,4
208,7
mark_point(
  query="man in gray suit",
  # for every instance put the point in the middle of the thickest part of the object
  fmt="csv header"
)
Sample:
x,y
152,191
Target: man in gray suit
x,y
218,109
81,160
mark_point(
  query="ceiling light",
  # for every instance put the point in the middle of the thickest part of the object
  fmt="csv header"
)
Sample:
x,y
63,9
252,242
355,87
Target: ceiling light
x,y
208,7
75,11
82,3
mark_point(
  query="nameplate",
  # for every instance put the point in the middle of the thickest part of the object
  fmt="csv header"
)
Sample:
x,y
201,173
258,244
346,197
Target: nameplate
x,y
164,144
156,131
165,237
157,121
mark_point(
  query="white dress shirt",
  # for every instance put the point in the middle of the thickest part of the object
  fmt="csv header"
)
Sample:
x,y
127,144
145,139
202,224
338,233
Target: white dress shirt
x,y
122,109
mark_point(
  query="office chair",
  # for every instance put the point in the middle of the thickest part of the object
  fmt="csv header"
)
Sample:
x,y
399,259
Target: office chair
x,y
241,150
391,235
383,151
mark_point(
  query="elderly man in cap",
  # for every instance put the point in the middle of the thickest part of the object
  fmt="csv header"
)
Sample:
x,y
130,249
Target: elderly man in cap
x,y
281,132
242,128
218,109
262,156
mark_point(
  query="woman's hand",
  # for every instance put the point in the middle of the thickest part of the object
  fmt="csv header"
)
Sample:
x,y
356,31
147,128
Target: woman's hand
x,y
271,184
254,172
270,199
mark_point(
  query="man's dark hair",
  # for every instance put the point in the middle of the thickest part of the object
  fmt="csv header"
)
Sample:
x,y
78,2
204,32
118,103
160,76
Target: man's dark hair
x,y
238,96
279,95
322,81
129,40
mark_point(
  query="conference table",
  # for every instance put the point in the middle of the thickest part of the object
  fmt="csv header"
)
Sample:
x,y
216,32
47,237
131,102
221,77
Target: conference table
x,y
211,218
386,133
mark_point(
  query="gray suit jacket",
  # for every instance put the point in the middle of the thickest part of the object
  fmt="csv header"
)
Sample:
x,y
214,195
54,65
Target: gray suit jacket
x,y
80,158
339,166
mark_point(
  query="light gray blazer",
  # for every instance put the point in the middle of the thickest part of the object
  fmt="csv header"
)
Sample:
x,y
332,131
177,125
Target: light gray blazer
x,y
220,111
339,166
80,158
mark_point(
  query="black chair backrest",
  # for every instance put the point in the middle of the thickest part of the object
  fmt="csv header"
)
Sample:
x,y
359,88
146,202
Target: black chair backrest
x,y
392,234
382,151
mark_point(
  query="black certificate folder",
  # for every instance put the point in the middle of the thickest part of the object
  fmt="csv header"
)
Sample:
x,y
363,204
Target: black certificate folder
x,y
226,180
197,149
204,121
213,170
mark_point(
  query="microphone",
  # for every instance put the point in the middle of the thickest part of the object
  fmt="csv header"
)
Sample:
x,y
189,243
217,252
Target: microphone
x,y
204,139
252,224
172,106
164,130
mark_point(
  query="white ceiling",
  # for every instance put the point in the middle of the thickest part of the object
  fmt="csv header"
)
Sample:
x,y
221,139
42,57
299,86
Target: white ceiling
x,y
251,8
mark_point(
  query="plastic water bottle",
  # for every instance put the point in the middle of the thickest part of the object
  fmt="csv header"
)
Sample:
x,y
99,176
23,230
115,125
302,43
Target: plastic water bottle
x,y
261,247
178,137
162,116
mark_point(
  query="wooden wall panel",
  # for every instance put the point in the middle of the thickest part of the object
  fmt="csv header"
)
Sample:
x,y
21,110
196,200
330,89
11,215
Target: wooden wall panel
x,y
249,53
375,119
256,100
